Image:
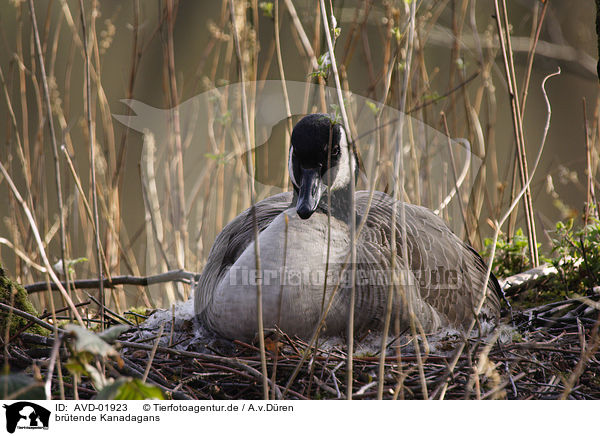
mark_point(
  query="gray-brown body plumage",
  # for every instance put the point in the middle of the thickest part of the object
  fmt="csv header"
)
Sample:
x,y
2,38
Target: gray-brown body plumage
x,y
443,286
445,278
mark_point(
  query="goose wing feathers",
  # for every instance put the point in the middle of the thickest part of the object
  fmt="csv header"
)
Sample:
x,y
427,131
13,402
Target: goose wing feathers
x,y
447,274
233,240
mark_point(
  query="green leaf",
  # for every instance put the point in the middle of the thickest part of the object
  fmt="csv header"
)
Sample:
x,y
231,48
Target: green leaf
x,y
75,366
126,388
86,340
79,364
266,8
337,113
58,266
220,158
431,96
111,334
224,119
373,107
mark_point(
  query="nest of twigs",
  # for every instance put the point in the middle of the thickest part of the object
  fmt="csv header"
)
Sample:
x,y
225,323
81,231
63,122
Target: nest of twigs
x,y
546,352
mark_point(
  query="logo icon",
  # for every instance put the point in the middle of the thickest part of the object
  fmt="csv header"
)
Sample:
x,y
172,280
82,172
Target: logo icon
x,y
26,415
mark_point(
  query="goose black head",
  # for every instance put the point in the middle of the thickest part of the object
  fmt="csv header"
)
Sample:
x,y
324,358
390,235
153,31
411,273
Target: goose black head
x,y
320,158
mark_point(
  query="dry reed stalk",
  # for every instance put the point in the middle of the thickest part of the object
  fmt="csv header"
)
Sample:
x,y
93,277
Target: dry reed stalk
x,y
86,204
153,352
531,54
90,126
328,253
590,191
53,358
57,175
288,112
353,37
372,185
441,389
250,164
455,177
322,81
352,145
517,117
486,90
23,149
108,196
405,290
479,192
534,42
136,55
40,244
311,343
110,207
22,255
153,218
595,150
302,34
179,224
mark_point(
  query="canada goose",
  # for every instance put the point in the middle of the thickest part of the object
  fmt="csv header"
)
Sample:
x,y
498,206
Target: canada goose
x,y
443,286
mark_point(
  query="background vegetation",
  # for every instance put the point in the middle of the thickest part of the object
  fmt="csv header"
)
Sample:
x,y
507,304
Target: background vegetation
x,y
66,66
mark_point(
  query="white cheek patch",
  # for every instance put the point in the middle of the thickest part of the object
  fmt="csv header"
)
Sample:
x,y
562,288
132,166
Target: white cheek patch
x,y
344,171
291,168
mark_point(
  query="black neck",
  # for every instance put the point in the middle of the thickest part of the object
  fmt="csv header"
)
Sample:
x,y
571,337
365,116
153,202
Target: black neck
x,y
341,204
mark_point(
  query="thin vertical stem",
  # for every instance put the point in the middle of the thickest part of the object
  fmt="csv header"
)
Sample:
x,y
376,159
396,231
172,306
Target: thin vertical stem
x,y
531,56
90,125
63,237
40,244
302,34
506,48
441,389
250,163
286,99
338,87
591,193
455,177
179,224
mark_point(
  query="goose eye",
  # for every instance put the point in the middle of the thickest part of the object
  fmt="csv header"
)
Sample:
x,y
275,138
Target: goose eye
x,y
335,151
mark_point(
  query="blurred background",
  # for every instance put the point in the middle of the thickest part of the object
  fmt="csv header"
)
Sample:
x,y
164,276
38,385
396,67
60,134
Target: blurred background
x,y
170,160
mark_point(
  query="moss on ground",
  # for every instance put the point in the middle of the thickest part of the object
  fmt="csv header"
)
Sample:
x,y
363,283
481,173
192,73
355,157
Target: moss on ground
x,y
13,294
